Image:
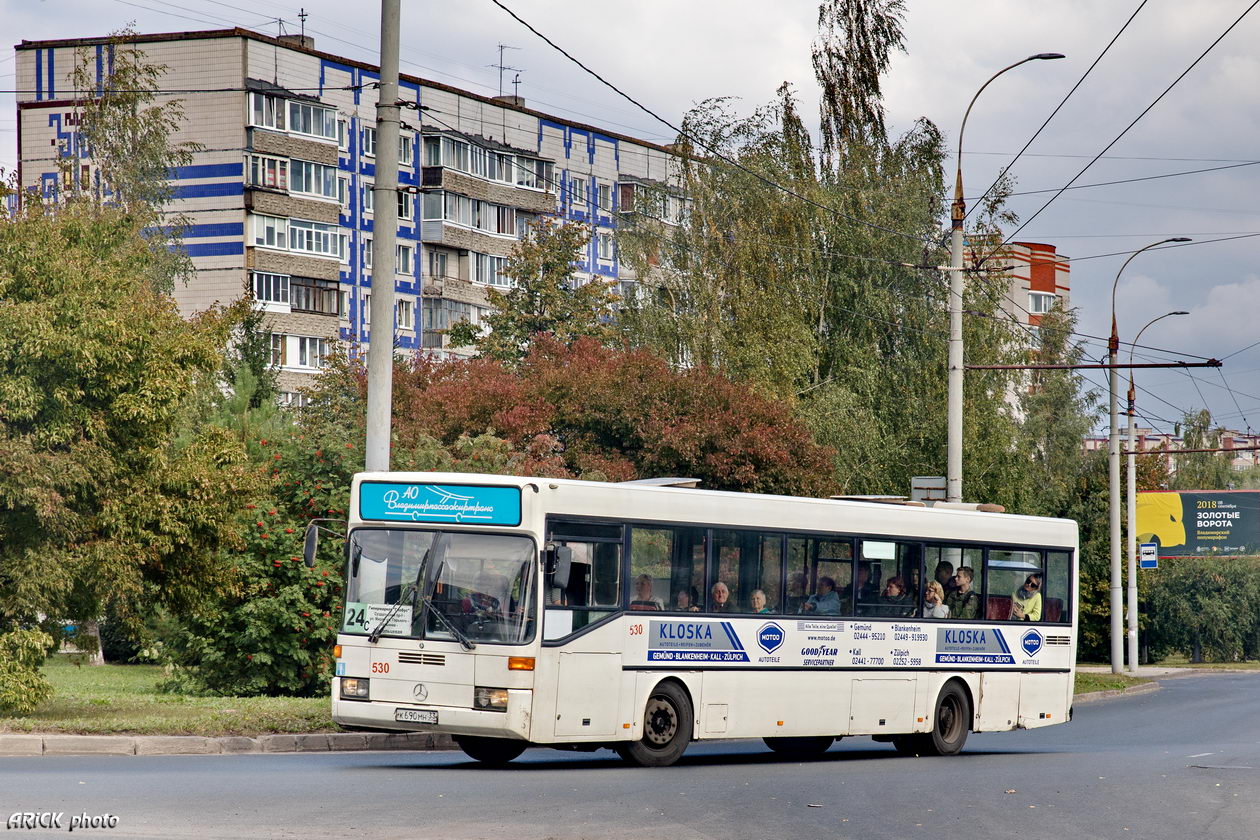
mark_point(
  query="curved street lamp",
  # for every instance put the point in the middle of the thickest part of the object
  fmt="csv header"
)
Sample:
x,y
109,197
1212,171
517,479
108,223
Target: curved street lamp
x,y
1132,502
958,212
1113,457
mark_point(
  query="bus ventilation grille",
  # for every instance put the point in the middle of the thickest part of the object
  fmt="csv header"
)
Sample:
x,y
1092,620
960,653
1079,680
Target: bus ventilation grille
x,y
1055,640
421,658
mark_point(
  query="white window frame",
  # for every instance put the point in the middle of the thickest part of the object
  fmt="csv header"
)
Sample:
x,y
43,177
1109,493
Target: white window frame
x,y
1039,303
368,197
323,120
369,141
316,238
271,232
367,252
264,108
343,134
605,197
404,259
604,244
312,352
406,206
279,348
577,190
343,191
265,168
270,289
406,145
406,314
303,172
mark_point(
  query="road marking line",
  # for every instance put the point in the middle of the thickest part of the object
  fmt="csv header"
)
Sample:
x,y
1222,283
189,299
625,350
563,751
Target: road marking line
x,y
1199,755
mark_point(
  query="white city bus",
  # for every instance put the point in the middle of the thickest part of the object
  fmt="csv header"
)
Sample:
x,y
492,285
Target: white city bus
x,y
512,612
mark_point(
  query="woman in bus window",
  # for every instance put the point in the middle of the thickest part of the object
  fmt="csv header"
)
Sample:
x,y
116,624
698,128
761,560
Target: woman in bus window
x,y
895,600
934,601
643,599
1026,602
685,600
758,601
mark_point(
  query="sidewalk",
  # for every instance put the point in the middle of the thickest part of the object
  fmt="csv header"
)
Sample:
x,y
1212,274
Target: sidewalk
x,y
38,744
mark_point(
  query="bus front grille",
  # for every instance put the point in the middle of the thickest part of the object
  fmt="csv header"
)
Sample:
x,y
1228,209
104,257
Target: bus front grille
x,y
421,658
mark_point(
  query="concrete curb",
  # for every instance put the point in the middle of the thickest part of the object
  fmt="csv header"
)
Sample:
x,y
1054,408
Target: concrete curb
x,y
1094,696
14,744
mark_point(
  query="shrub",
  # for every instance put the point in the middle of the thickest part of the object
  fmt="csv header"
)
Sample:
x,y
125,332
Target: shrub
x,y
22,686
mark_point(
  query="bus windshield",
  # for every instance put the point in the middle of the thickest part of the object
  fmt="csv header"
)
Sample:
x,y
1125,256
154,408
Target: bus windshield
x,y
483,585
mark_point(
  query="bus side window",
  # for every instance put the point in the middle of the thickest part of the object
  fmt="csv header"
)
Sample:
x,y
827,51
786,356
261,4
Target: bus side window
x,y
811,558
1058,592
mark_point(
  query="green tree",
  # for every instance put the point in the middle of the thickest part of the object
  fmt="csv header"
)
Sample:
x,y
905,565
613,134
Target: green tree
x,y
1202,470
101,510
127,133
543,299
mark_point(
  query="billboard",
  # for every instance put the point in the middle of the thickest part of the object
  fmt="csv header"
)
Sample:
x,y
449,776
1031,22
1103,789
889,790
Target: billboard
x,y
1200,523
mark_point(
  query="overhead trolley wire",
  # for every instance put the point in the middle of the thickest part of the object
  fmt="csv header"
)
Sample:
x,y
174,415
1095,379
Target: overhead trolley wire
x,y
1126,129
1056,110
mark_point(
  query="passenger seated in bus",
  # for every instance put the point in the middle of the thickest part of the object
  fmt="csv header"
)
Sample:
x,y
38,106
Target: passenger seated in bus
x,y
944,575
1026,602
798,591
758,602
825,601
643,599
866,592
720,600
934,601
479,601
685,600
895,600
963,602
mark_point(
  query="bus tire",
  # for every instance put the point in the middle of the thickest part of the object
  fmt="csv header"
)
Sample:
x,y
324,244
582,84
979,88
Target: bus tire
x,y
950,723
667,722
493,752
801,747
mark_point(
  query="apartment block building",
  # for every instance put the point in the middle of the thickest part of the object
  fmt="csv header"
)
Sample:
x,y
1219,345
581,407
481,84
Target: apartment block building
x,y
280,195
1037,277
1241,448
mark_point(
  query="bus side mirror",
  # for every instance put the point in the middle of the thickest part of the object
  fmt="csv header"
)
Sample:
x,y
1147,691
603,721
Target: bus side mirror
x,y
559,562
309,544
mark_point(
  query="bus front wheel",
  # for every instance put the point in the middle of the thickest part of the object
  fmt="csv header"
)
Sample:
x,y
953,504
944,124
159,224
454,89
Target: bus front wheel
x,y
951,723
667,721
494,752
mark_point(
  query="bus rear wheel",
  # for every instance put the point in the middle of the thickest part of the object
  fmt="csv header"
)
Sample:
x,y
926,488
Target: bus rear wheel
x,y
493,752
801,747
666,729
950,724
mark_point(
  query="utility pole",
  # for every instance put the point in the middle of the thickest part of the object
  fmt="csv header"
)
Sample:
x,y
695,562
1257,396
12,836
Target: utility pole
x,y
385,198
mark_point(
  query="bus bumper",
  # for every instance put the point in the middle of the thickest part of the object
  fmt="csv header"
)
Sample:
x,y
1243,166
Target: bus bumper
x,y
451,720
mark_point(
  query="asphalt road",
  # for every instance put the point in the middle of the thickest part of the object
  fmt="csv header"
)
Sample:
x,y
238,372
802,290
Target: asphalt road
x,y
1183,762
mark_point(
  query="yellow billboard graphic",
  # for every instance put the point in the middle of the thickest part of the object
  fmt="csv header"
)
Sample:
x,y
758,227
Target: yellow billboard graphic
x,y
1198,523
1160,519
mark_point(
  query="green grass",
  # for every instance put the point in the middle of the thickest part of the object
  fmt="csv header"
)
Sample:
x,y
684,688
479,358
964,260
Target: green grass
x,y
1087,682
123,699
1181,661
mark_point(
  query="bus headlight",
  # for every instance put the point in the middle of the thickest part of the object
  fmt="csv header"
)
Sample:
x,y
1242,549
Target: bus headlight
x,y
354,688
490,699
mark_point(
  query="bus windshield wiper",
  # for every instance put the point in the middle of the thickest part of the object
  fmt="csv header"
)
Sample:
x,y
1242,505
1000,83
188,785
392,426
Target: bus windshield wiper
x,y
463,640
375,635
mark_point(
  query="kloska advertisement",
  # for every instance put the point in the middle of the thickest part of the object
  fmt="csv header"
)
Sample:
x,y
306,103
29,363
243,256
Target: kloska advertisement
x,y
1200,523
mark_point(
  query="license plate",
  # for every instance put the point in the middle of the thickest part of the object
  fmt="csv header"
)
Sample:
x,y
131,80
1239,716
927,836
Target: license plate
x,y
415,715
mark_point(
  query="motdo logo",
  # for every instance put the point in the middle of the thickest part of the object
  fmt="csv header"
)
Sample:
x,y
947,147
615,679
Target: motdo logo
x,y
770,637
1031,642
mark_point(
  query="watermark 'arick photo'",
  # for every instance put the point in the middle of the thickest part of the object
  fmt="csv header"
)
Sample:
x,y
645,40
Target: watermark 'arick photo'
x,y
58,819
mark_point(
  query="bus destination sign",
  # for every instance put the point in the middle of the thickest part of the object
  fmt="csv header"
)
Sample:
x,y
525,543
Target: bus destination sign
x,y
443,503
694,641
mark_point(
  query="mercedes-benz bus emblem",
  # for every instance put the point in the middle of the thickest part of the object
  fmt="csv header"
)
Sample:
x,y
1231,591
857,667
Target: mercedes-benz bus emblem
x,y
420,692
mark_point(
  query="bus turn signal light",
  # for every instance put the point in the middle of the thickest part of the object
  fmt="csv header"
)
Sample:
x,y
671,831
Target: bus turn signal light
x,y
520,663
336,651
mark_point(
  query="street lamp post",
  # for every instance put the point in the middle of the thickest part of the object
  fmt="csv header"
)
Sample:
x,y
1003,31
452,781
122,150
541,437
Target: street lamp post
x,y
1113,456
1132,503
958,212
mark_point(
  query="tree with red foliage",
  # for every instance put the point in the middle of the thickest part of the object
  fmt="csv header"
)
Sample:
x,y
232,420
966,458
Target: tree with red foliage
x,y
591,411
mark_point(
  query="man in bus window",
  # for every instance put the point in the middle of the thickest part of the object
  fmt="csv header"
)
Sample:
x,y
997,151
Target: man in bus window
x,y
480,602
643,599
721,598
825,601
963,601
1026,602
944,575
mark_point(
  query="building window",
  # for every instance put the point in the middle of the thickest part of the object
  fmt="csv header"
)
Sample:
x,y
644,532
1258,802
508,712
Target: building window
x,y
369,197
502,168
437,263
489,270
605,197
605,244
270,288
441,314
343,192
405,317
577,190
367,308
266,111
404,150
312,295
314,178
312,352
315,238
1039,303
271,232
279,343
343,134
315,120
271,173
369,142
406,206
403,261
293,399
367,252
343,303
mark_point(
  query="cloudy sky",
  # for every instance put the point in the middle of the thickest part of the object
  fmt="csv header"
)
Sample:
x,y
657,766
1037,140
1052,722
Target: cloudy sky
x,y
670,55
